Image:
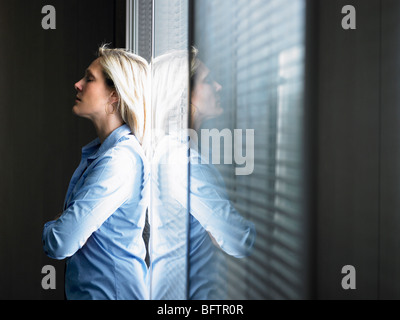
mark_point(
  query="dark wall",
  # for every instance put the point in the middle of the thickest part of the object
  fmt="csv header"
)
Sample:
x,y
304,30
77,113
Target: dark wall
x,y
40,138
348,149
389,277
358,150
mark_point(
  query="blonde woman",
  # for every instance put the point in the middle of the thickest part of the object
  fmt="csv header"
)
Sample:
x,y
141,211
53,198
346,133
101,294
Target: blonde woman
x,y
100,229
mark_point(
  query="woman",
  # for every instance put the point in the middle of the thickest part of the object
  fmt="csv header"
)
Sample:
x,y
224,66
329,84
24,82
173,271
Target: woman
x,y
100,230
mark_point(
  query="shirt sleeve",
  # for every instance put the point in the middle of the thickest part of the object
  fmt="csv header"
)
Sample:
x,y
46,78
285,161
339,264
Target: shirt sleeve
x,y
106,187
210,205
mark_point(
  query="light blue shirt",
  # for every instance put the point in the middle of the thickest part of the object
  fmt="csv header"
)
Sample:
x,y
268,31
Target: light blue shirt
x,y
100,230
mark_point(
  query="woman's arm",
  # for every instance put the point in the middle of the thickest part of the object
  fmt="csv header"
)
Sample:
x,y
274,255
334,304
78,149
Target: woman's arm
x,y
107,186
210,205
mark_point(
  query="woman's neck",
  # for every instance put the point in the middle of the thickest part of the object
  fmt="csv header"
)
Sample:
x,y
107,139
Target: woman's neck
x,y
107,126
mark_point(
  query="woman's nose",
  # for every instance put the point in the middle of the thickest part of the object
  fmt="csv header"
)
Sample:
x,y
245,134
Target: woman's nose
x,y
78,86
217,86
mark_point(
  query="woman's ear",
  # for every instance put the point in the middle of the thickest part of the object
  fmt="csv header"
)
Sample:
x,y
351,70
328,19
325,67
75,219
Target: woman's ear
x,y
114,98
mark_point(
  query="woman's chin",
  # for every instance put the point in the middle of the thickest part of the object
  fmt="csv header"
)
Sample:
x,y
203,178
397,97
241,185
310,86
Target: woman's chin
x,y
219,111
75,111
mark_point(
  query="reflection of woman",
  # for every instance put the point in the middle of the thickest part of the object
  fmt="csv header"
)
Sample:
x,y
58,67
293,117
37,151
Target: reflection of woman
x,y
100,230
205,99
213,222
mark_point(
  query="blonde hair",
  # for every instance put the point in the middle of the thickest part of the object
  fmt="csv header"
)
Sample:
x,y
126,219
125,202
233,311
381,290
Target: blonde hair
x,y
128,74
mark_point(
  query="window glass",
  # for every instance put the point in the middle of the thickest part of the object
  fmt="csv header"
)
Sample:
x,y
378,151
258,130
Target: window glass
x,y
228,217
254,51
169,151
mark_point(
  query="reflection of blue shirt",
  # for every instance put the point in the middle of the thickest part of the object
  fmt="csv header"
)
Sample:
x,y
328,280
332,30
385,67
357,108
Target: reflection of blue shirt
x,y
211,213
100,230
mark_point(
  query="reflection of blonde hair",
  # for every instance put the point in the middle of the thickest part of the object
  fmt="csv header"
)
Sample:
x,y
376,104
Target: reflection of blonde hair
x,y
194,63
128,74
170,88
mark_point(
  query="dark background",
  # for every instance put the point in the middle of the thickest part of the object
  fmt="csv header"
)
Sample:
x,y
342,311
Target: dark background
x,y
40,138
355,114
357,145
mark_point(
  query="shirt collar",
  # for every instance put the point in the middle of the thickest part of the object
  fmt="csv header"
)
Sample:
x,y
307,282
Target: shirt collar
x,y
95,148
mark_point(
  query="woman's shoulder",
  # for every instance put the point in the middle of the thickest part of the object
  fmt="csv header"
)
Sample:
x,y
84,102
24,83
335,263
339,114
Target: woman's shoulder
x,y
127,148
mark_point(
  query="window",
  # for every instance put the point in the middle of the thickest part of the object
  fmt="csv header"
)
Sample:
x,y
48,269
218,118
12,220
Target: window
x,y
252,53
256,51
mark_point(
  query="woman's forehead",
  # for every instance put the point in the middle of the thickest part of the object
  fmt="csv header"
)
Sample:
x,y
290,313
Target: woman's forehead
x,y
202,70
95,67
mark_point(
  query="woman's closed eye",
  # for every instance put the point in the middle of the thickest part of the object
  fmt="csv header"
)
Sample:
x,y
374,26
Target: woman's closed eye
x,y
209,79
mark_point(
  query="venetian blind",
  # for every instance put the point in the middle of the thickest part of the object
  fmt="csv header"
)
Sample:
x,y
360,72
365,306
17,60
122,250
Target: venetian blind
x,y
170,26
139,27
256,49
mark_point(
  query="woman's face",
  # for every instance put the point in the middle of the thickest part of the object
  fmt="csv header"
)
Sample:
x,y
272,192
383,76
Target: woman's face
x,y
93,97
205,95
